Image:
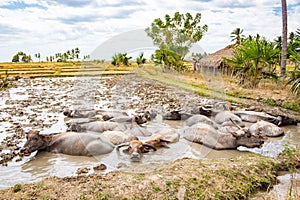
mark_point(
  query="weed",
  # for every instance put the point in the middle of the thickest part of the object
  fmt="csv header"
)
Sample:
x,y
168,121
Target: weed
x,y
156,188
17,188
101,196
168,183
83,197
45,197
292,105
270,102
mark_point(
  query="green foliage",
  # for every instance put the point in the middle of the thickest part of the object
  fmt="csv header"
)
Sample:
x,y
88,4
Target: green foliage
x,y
140,59
294,80
291,156
156,188
101,196
69,55
177,33
169,59
270,102
254,60
4,81
23,56
292,105
38,56
237,36
294,77
120,58
17,188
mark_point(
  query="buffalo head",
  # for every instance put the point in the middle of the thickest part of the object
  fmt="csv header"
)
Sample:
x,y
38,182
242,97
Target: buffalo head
x,y
34,142
136,148
245,138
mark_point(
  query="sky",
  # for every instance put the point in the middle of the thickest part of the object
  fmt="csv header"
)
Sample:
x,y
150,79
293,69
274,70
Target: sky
x,y
55,26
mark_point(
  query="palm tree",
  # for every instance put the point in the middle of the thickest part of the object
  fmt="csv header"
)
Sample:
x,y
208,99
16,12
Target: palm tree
x,y
284,38
140,59
237,36
254,60
297,35
77,51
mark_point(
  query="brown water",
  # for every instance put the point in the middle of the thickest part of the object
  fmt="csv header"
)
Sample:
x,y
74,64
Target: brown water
x,y
57,95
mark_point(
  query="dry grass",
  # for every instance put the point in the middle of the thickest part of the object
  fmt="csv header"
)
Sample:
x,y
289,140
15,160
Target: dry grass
x,y
60,69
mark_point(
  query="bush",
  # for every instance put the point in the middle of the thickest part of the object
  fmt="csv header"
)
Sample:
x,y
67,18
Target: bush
x,y
169,59
17,188
294,80
120,58
140,59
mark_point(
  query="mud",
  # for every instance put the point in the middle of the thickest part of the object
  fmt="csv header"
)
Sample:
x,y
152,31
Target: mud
x,y
38,103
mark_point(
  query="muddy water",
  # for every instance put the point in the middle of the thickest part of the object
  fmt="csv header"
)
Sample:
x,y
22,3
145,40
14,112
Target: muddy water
x,y
38,103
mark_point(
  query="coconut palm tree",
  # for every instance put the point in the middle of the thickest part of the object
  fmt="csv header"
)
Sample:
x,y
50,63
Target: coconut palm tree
x,y
237,36
284,38
77,51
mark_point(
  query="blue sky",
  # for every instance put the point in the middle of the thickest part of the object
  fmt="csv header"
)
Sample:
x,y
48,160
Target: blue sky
x,y
51,26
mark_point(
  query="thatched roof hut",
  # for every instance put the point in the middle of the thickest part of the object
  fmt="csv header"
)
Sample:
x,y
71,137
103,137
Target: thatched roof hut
x,y
216,61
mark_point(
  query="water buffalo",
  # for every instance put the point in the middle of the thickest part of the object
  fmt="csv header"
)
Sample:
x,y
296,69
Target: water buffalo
x,y
225,118
168,133
118,137
207,135
157,141
122,117
176,115
96,126
200,118
77,144
136,148
80,113
213,110
253,116
266,129
138,119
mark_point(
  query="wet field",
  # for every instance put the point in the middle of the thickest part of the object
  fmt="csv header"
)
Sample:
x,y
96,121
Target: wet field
x,y
38,104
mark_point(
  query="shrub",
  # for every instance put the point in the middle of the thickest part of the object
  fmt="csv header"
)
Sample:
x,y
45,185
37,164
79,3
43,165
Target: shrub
x,y
120,58
17,188
169,59
140,59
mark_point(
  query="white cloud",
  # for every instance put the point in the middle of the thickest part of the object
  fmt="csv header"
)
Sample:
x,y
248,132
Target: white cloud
x,y
51,26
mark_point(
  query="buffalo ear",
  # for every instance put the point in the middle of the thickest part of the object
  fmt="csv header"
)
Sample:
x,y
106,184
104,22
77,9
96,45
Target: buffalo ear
x,y
34,131
163,140
122,145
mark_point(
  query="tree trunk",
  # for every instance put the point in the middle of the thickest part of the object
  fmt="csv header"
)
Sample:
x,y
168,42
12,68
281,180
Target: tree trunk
x,y
284,39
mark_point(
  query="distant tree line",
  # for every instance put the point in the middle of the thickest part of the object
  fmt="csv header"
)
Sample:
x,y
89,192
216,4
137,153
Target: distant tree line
x,y
69,55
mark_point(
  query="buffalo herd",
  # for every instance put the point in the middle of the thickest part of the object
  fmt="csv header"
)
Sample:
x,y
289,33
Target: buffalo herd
x,y
92,132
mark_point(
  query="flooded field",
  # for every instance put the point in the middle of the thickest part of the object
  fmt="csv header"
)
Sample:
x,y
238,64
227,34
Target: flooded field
x,y
39,104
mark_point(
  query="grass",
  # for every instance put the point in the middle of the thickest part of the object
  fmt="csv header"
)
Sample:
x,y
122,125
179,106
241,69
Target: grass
x,y
234,178
225,88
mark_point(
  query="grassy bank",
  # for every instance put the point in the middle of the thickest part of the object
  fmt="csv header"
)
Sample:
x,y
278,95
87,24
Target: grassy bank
x,y
269,92
235,178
